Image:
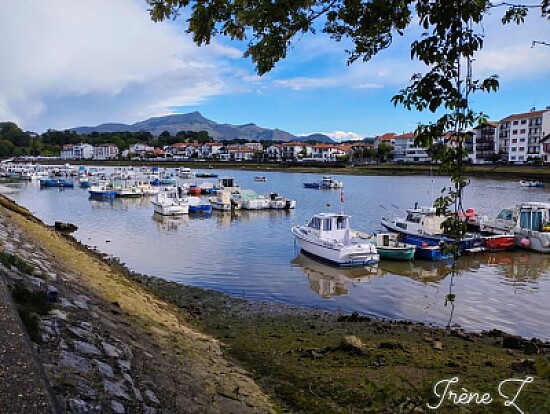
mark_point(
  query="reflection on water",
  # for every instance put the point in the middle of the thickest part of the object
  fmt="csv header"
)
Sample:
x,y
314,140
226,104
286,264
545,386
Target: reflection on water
x,y
328,281
252,253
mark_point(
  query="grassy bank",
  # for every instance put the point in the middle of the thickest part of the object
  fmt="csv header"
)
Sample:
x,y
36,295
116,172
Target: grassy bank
x,y
318,362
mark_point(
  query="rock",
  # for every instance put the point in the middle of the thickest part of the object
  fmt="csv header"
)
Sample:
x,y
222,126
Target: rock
x,y
85,389
152,397
81,333
65,227
56,313
525,366
74,362
531,348
117,407
78,406
80,304
437,345
352,343
148,410
512,342
391,345
110,350
123,364
115,389
86,348
105,369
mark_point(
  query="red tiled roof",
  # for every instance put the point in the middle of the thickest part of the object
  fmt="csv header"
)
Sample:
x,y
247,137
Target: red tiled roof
x,y
530,114
388,136
407,135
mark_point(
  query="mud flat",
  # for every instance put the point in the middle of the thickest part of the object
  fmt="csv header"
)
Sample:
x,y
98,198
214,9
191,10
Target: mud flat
x,y
117,341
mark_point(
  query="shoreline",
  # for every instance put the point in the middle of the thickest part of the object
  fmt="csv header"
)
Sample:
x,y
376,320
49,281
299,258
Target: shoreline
x,y
492,171
304,359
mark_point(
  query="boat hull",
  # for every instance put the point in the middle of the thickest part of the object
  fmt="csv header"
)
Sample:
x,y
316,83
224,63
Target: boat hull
x,y
354,255
396,253
499,242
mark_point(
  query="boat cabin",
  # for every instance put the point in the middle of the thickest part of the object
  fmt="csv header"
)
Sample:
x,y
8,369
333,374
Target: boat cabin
x,y
421,220
534,216
331,226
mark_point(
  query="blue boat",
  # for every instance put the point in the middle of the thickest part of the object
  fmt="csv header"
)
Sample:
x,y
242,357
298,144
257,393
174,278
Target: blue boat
x,y
196,205
102,192
56,182
326,183
422,227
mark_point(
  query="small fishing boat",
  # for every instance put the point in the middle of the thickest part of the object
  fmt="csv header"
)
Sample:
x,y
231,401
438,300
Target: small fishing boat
x,y
326,183
102,192
185,173
249,200
498,242
205,174
260,179
329,238
168,203
194,189
56,182
389,247
222,201
146,188
132,191
278,202
197,205
531,183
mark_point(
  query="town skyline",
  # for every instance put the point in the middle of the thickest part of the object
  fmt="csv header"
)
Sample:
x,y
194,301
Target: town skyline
x,y
118,66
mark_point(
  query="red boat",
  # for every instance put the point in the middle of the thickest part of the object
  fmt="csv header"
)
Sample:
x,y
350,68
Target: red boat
x,y
194,190
498,242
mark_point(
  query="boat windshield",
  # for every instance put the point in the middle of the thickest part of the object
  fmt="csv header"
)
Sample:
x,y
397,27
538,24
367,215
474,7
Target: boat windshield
x,y
505,214
341,223
413,217
315,223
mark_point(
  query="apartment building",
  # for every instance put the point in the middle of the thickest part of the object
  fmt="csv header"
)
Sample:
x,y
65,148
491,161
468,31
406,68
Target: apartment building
x,y
520,136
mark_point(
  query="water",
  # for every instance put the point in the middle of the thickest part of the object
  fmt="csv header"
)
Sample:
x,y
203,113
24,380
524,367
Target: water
x,y
252,254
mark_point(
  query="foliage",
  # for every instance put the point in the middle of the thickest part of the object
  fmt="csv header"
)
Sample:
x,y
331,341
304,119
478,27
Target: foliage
x,y
10,260
30,304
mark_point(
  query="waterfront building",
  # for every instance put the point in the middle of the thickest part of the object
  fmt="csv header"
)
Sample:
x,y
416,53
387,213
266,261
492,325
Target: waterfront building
x,y
520,136
105,152
404,150
210,150
295,150
80,151
484,143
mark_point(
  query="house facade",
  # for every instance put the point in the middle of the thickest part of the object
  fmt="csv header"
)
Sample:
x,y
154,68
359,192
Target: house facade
x,y
105,152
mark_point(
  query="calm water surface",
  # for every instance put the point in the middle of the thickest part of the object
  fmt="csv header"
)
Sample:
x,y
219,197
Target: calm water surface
x,y
252,254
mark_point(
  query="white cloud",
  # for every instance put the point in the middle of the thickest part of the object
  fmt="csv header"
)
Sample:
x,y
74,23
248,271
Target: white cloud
x,y
105,60
338,136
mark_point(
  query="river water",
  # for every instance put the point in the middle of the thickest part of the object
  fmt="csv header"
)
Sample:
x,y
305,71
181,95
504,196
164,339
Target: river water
x,y
252,254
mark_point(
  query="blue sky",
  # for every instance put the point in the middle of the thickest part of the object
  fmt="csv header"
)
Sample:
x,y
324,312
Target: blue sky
x,y
114,65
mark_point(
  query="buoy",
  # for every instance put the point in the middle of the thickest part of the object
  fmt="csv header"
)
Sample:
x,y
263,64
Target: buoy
x,y
525,242
424,244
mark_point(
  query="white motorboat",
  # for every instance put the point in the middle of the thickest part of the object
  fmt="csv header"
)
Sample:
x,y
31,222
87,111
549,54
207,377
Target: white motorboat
x,y
222,201
185,173
531,183
249,200
328,237
278,202
168,203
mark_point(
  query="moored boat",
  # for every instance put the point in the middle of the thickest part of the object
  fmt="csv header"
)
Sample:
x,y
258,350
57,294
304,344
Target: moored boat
x,y
168,203
531,183
260,179
329,238
56,182
102,191
326,183
498,242
389,247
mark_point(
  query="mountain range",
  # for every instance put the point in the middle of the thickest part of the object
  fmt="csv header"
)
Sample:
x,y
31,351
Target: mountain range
x,y
194,121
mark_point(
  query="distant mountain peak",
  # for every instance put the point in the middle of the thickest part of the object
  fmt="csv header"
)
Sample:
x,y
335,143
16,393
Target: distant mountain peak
x,y
195,121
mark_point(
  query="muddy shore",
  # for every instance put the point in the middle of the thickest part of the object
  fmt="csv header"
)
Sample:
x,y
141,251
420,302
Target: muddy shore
x,y
117,341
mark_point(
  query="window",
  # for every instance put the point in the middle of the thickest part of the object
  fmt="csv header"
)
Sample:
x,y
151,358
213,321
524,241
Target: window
x,y
341,223
523,121
531,220
515,132
522,140
327,225
521,149
522,131
516,122
514,141
514,149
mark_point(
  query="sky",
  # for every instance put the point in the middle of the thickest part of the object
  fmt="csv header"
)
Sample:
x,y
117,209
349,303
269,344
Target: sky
x,y
69,63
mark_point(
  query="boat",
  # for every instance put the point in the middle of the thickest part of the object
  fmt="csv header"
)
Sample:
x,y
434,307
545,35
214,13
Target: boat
x,y
498,242
169,203
222,201
389,247
194,189
328,237
249,200
56,182
422,227
326,183
260,179
229,184
147,188
278,202
185,173
102,191
528,223
197,205
205,174
532,229
531,183
132,191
